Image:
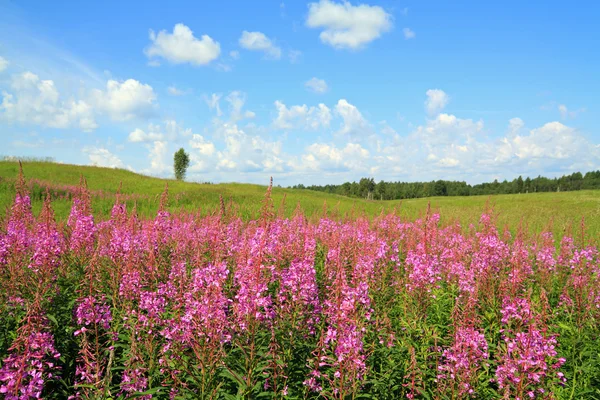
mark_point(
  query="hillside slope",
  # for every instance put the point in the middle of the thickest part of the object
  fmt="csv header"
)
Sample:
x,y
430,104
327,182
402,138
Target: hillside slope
x,y
536,211
105,182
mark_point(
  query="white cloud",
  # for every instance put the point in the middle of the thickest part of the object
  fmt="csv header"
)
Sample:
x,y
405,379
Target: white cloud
x,y
213,103
436,101
203,146
353,123
3,63
316,85
515,125
126,100
448,162
38,102
445,130
101,157
301,117
346,26
430,150
326,157
236,100
234,54
548,144
173,91
138,135
453,148
248,153
202,156
565,113
174,131
169,130
158,157
258,41
182,47
386,129
408,33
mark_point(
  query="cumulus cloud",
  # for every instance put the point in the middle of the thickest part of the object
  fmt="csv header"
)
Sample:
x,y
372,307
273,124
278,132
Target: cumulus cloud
x,y
515,125
126,100
552,144
387,129
100,156
258,41
353,122
157,155
138,135
436,101
174,130
301,117
169,129
3,63
36,101
249,153
453,148
444,147
328,157
408,33
204,147
316,85
181,46
203,155
345,26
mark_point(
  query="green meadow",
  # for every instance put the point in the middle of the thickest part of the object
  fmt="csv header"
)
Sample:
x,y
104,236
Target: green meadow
x,y
533,212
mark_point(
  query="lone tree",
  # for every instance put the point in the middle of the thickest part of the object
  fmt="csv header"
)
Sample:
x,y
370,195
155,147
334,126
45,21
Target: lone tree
x,y
181,161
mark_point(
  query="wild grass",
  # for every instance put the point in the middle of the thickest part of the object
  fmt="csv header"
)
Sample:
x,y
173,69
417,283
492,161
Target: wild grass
x,y
562,213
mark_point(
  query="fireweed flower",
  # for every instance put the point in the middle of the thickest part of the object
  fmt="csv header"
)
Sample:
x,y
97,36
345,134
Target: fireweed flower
x,y
93,311
461,361
516,311
204,317
529,360
83,229
31,361
190,289
134,381
545,254
252,275
19,236
48,242
298,295
93,316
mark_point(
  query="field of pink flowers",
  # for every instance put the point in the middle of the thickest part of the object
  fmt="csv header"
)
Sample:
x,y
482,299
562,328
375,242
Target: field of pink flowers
x,y
211,307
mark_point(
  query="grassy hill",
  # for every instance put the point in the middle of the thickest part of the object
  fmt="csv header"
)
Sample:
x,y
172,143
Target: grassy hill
x,y
560,211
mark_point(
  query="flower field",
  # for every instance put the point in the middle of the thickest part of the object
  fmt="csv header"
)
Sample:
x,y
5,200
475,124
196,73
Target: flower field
x,y
196,306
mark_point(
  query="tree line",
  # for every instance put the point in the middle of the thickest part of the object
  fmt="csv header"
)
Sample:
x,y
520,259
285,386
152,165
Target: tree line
x,y
367,188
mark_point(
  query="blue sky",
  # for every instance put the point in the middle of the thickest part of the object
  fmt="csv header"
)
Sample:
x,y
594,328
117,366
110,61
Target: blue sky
x,y
306,92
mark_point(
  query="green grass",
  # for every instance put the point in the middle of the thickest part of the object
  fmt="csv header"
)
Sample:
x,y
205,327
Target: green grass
x,y
560,212
184,195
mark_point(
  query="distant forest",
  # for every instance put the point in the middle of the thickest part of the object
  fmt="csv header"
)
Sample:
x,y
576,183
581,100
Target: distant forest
x,y
369,189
